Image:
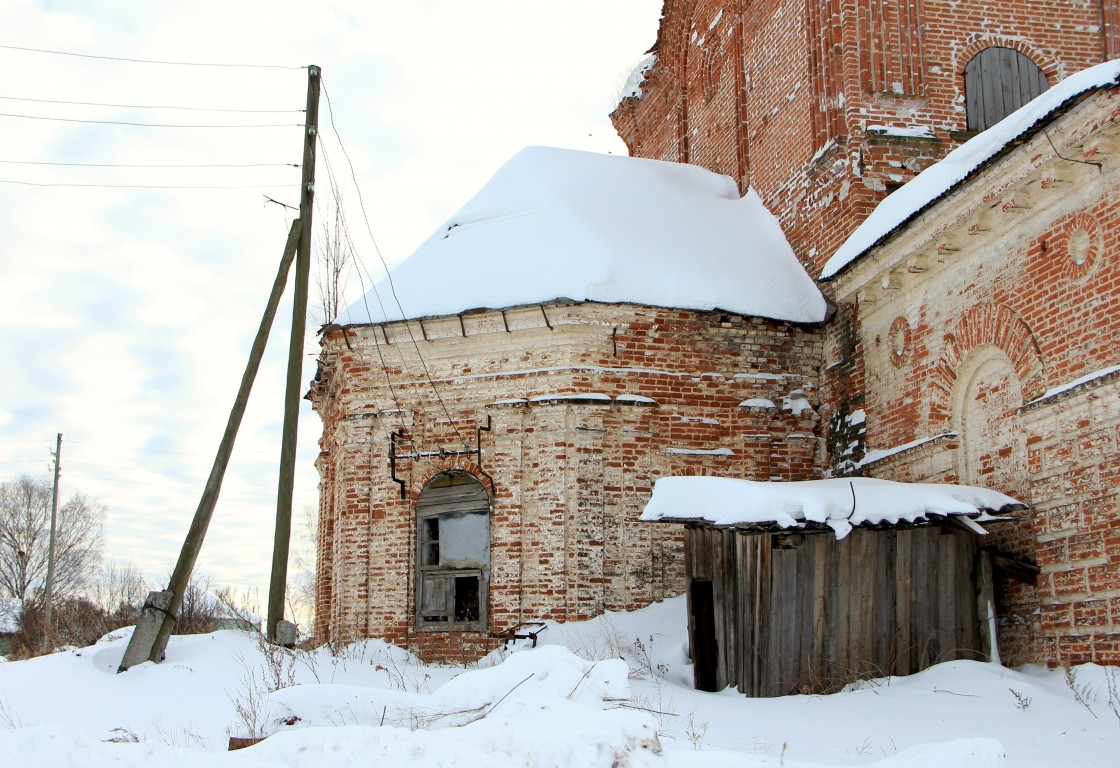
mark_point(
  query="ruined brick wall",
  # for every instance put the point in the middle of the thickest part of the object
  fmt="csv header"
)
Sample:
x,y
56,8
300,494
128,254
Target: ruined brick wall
x,y
953,340
583,407
825,106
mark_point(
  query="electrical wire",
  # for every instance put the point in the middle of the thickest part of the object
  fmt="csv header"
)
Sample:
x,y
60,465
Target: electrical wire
x,y
151,165
143,125
156,450
150,106
333,182
388,275
417,447
147,61
180,488
147,186
71,462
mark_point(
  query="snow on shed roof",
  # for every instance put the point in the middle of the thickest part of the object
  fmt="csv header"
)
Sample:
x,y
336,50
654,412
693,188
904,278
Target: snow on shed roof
x,y
941,177
561,224
840,503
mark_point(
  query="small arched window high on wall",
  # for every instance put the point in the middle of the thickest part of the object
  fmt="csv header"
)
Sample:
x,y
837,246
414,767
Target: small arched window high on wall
x,y
997,81
452,553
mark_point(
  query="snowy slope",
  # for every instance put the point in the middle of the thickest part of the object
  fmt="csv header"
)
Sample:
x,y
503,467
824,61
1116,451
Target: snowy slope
x,y
940,177
371,704
558,223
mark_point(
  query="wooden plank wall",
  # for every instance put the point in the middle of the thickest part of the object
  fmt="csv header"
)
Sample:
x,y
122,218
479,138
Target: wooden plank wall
x,y
809,614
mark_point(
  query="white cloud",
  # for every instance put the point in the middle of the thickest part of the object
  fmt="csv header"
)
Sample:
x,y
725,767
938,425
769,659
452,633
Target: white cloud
x,y
126,315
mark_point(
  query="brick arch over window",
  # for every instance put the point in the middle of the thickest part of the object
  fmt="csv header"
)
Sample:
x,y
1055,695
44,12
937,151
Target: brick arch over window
x,y
997,81
452,463
992,324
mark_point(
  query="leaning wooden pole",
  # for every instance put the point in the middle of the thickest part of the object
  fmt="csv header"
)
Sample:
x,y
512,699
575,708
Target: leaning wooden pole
x,y
294,387
149,639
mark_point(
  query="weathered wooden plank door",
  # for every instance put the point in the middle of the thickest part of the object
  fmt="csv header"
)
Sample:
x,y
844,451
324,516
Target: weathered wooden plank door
x,y
997,81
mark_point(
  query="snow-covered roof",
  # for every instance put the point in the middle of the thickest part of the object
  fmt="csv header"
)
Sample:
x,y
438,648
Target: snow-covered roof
x,y
561,224
941,177
840,503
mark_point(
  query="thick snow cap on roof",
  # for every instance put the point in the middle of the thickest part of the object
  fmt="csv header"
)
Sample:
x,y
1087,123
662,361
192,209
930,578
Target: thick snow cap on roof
x,y
942,176
840,503
556,223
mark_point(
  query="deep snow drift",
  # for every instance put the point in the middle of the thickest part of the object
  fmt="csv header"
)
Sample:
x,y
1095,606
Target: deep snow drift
x,y
374,704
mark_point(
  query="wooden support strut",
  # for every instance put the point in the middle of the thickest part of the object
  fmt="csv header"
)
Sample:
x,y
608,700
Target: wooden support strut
x,y
149,640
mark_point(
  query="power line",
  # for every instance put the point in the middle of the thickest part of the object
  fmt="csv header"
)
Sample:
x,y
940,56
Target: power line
x,y
148,186
376,342
144,125
156,450
147,61
152,471
150,106
151,165
388,275
417,447
178,488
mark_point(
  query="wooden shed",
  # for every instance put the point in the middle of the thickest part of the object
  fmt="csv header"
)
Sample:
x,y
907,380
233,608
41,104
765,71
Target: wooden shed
x,y
804,587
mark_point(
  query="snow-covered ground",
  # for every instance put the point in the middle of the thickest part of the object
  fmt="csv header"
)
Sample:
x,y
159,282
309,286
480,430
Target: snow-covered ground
x,y
372,704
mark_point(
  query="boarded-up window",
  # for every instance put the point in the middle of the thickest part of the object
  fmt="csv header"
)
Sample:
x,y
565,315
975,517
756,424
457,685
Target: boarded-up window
x,y
453,553
997,81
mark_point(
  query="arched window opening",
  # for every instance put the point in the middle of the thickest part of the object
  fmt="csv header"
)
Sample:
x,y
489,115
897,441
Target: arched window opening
x,y
453,553
997,81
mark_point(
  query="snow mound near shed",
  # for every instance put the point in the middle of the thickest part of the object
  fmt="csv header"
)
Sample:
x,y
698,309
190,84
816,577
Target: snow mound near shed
x,y
561,224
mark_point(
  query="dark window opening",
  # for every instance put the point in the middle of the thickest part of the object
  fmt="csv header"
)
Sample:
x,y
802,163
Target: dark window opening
x,y
429,541
466,599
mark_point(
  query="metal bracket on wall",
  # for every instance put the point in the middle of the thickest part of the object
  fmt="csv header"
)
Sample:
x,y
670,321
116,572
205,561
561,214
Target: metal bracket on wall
x,y
396,438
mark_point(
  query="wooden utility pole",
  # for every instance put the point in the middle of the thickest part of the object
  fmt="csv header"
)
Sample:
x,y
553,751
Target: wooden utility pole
x,y
48,592
294,387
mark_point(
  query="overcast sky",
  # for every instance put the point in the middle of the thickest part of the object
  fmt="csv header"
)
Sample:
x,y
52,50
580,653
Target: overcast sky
x,y
127,312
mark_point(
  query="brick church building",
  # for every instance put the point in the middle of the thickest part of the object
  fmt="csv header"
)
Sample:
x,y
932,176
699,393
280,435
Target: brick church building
x,y
483,463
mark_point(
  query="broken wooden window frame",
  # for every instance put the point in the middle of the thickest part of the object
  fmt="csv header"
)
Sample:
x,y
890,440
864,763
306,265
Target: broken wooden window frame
x,y
452,553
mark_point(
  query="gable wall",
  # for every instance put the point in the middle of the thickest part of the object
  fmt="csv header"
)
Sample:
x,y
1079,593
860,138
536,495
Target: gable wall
x,y
1005,290
804,101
